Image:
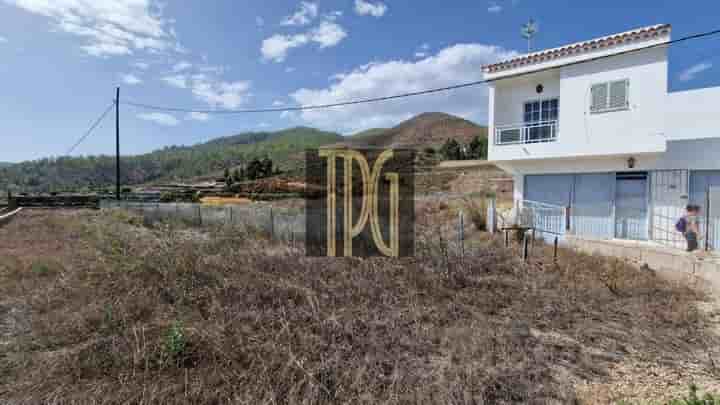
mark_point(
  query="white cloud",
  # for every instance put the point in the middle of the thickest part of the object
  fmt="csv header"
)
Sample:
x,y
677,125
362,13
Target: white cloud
x,y
179,81
212,91
367,8
420,54
289,69
110,27
327,34
219,93
3,39
694,70
494,7
197,116
453,65
308,11
278,103
180,66
277,46
130,79
160,118
141,65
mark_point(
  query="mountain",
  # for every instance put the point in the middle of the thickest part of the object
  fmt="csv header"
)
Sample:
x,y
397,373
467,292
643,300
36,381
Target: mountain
x,y
5,164
424,130
169,163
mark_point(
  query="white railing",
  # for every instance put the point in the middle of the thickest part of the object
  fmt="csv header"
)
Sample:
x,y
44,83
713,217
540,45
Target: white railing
x,y
543,217
543,131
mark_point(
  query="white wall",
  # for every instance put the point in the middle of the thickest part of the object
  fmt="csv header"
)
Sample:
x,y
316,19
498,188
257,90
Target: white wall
x,y
511,96
693,114
692,154
637,130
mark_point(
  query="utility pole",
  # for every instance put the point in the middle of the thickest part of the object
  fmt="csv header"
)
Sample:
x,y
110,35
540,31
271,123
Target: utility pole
x,y
117,143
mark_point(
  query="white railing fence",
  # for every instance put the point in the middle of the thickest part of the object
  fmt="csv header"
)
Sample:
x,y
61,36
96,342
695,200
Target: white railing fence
x,y
542,217
543,131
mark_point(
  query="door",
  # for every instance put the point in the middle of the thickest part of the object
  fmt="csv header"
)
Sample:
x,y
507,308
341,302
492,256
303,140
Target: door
x,y
631,200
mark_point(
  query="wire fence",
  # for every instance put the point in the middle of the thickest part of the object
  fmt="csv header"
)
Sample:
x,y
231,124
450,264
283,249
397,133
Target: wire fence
x,y
278,222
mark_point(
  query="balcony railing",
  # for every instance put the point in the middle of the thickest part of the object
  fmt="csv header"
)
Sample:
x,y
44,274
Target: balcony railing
x,y
543,131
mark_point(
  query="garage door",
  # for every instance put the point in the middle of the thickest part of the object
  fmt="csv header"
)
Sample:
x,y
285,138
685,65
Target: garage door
x,y
554,189
591,213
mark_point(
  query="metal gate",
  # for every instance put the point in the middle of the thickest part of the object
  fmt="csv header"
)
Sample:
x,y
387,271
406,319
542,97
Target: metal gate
x,y
669,197
704,185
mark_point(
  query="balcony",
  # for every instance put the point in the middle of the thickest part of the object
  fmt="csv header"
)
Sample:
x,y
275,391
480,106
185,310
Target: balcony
x,y
536,132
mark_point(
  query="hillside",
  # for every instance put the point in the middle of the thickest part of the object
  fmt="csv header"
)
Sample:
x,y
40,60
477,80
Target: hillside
x,y
427,129
5,164
169,163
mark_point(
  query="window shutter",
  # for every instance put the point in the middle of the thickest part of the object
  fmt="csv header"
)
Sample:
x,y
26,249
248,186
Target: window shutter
x,y
599,97
618,94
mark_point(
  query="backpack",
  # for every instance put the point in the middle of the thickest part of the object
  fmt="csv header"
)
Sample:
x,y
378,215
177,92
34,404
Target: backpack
x,y
681,225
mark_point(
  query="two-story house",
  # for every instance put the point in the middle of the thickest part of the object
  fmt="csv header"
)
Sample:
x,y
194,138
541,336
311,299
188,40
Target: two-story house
x,y
592,126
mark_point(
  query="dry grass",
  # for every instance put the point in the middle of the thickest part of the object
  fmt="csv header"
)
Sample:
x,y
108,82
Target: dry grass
x,y
103,310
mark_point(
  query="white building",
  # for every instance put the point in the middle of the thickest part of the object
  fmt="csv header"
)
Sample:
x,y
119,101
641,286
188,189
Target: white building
x,y
591,126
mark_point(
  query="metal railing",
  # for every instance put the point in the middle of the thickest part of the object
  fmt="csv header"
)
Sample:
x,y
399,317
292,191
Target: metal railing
x,y
543,217
543,131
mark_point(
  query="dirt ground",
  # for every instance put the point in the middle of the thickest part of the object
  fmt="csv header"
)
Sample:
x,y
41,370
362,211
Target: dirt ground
x,y
596,351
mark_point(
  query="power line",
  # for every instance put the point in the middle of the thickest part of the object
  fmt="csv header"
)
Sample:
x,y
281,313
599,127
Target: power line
x,y
415,93
91,129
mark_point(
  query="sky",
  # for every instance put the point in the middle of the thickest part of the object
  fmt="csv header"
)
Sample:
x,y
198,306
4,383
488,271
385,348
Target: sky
x,y
60,61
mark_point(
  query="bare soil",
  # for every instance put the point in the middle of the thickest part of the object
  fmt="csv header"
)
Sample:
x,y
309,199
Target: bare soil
x,y
97,308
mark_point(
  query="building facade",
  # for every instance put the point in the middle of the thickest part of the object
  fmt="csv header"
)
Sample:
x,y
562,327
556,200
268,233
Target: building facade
x,y
592,127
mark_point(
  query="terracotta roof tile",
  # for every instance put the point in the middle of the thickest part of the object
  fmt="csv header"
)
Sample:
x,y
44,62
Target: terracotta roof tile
x,y
555,53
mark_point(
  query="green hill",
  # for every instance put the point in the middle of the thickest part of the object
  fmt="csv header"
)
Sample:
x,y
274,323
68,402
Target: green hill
x,y
169,163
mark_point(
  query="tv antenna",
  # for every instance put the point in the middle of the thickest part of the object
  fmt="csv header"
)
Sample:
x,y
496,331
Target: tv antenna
x,y
528,32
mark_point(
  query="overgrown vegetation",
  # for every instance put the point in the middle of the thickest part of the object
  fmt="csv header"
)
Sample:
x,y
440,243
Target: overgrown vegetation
x,y
170,314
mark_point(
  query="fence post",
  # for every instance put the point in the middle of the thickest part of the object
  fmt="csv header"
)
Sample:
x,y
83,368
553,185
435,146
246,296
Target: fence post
x,y
707,219
526,254
461,233
491,214
272,224
199,216
231,215
555,250
567,219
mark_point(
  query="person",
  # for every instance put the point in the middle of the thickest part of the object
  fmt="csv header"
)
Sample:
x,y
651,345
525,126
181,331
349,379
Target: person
x,y
692,227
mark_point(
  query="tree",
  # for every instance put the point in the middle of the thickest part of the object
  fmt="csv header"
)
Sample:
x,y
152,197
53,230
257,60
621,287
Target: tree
x,y
477,149
451,150
267,167
237,177
255,169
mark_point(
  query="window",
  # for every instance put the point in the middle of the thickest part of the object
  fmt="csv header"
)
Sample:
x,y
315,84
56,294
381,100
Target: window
x,y
539,124
609,96
537,114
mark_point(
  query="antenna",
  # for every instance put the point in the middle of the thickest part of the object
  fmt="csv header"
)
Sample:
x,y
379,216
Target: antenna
x,y
528,31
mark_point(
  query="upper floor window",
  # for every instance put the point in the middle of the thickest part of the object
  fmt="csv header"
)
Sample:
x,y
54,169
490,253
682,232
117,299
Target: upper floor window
x,y
539,124
609,96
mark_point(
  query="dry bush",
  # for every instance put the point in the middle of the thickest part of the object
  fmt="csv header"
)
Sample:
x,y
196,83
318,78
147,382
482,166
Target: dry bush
x,y
170,315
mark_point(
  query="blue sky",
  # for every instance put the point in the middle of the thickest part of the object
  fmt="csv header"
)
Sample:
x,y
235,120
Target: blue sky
x,y
61,60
